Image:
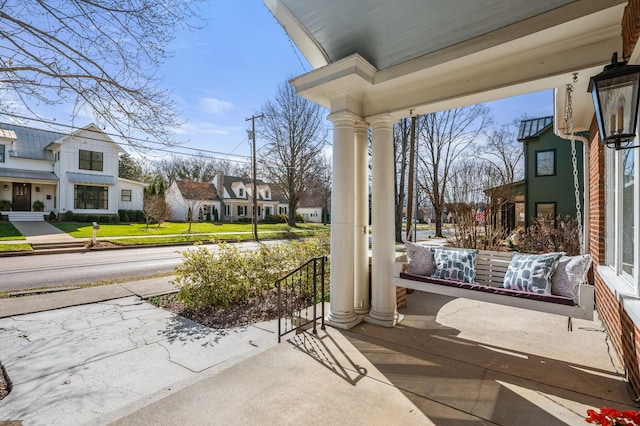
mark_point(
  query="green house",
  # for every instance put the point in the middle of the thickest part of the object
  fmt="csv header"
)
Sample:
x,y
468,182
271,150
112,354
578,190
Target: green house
x,y
549,189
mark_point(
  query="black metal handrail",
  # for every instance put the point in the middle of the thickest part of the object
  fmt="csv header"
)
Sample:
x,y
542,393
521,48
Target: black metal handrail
x,y
298,293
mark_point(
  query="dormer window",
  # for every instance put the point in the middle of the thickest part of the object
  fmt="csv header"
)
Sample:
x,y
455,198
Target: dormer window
x,y
2,153
266,194
241,192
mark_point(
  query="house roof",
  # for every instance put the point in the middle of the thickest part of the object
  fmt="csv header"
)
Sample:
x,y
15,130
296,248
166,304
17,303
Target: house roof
x,y
192,190
230,180
28,174
31,142
533,127
91,178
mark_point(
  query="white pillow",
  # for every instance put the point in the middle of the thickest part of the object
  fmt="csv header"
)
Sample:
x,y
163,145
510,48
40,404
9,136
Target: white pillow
x,y
570,273
420,259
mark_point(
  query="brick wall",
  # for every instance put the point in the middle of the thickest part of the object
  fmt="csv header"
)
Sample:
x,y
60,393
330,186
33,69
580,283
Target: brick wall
x,y
624,334
401,297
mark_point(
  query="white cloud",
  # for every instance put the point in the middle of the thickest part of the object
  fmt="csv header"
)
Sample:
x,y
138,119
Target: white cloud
x,y
214,106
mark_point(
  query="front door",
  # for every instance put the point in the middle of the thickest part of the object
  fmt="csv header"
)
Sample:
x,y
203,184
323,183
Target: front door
x,y
21,197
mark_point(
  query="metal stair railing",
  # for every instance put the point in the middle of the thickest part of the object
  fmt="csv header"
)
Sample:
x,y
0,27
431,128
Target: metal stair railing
x,y
299,293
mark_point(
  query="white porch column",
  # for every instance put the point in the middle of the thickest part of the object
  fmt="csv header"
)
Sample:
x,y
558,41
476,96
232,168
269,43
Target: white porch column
x,y
341,311
361,232
383,294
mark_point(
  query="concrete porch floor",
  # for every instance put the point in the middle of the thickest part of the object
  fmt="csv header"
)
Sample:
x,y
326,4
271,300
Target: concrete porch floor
x,y
450,362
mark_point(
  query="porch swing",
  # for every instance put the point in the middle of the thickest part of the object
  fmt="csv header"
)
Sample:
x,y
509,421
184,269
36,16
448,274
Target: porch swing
x,y
491,267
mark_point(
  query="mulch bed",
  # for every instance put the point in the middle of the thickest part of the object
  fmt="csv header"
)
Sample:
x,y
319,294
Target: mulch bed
x,y
258,309
4,383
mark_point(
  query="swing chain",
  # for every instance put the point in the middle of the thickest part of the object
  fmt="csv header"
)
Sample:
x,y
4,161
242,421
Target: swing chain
x,y
576,181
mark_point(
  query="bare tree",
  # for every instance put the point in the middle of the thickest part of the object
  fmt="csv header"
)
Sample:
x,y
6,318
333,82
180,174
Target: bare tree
x,y
199,167
101,56
295,133
504,153
194,196
401,147
444,137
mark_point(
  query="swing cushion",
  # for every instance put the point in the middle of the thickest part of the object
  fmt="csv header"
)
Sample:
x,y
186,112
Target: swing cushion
x,y
570,273
456,265
420,259
550,298
532,272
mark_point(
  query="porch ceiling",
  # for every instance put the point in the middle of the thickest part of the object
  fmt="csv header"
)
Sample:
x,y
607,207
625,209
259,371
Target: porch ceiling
x,y
375,56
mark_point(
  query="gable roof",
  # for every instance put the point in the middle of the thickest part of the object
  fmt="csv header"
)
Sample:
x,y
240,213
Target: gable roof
x,y
230,180
31,142
192,190
532,128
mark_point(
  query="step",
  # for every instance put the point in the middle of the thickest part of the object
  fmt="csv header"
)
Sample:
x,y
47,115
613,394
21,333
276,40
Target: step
x,y
55,245
60,250
25,216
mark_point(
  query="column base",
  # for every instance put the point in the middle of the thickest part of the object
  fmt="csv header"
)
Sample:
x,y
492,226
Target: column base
x,y
343,322
362,311
387,321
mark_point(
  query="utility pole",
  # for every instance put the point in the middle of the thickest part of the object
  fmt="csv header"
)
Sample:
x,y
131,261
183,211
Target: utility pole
x,y
410,215
255,185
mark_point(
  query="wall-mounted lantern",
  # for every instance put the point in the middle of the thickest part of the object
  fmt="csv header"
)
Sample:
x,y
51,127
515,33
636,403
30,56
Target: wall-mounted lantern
x,y
616,95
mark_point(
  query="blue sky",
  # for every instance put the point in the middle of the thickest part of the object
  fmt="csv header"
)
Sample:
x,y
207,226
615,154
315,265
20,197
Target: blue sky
x,y
224,72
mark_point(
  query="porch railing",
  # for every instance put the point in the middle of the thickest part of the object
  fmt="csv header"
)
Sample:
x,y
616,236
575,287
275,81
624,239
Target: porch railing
x,y
299,294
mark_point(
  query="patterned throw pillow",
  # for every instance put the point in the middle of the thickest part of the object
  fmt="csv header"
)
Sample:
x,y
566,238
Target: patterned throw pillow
x,y
571,272
420,259
457,265
532,272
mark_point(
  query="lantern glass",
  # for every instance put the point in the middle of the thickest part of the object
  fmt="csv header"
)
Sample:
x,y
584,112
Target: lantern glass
x,y
616,93
616,98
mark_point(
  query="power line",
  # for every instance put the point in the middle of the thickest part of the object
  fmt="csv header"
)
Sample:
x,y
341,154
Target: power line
x,y
54,124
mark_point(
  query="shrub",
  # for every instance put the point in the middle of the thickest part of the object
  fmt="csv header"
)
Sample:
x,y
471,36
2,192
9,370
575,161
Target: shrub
x,y
115,219
104,219
233,276
68,216
276,218
52,215
299,218
547,235
91,218
244,220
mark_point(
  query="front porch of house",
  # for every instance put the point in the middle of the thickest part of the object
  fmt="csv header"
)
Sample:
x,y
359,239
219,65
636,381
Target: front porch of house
x,y
449,362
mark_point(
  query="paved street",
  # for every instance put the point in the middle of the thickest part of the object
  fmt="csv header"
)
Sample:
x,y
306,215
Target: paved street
x,y
29,272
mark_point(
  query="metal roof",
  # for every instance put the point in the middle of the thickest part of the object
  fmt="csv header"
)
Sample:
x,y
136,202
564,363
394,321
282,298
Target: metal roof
x,y
91,178
533,127
27,174
31,142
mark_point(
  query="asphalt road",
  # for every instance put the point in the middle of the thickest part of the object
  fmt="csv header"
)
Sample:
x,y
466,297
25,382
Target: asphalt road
x,y
55,270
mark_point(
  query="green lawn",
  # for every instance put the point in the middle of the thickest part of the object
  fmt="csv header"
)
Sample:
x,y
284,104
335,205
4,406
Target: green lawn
x,y
8,232
15,247
85,230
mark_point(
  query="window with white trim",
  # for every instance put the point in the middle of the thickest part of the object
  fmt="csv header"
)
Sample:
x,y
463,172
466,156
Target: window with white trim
x,y
1,153
622,214
125,195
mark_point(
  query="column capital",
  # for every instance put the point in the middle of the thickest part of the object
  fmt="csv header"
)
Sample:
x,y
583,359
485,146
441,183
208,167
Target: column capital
x,y
381,121
343,118
361,127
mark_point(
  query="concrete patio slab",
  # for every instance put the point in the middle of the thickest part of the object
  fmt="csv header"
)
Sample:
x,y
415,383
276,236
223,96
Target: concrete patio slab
x,y
74,365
